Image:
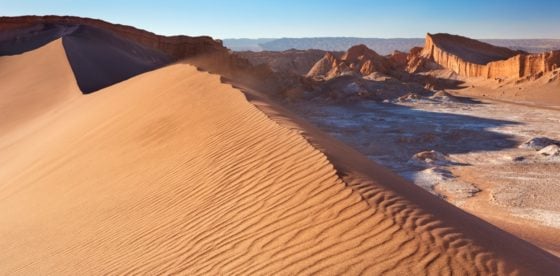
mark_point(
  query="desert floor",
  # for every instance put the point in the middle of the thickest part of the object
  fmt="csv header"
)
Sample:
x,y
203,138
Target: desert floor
x,y
481,169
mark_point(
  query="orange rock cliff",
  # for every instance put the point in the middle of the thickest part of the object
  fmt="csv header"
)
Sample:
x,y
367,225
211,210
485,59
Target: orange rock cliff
x,y
471,58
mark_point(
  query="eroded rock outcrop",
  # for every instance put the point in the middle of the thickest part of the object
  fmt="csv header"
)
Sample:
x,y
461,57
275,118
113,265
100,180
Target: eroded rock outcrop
x,y
358,60
324,66
472,58
398,59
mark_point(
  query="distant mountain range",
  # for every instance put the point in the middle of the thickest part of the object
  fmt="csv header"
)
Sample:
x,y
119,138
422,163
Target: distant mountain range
x,y
247,44
382,46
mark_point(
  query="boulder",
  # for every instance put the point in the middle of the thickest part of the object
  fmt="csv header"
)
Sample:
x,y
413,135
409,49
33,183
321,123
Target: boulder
x,y
430,158
444,97
538,143
550,150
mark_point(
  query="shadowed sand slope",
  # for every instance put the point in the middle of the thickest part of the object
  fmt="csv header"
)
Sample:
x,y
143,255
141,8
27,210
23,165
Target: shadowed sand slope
x,y
175,172
15,41
113,58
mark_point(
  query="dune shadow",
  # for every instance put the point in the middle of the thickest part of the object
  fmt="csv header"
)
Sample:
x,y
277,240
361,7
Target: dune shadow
x,y
21,40
99,58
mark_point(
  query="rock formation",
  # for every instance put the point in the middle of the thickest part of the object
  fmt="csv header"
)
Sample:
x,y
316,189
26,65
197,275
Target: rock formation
x,y
550,150
417,62
472,58
399,59
324,66
358,60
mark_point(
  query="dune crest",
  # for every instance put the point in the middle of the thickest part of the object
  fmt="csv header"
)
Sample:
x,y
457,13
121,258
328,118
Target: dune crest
x,y
33,84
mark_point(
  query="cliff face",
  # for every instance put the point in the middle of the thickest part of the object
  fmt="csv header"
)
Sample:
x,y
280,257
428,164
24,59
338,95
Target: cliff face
x,y
176,46
358,59
471,58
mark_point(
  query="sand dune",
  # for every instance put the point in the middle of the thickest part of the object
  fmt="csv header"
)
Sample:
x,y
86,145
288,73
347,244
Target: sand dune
x,y
33,84
174,171
112,56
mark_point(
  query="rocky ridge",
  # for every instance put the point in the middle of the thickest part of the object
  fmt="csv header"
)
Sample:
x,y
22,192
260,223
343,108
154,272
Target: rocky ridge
x,y
358,60
472,58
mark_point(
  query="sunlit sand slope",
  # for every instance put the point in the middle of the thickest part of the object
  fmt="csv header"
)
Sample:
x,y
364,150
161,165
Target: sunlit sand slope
x,y
34,83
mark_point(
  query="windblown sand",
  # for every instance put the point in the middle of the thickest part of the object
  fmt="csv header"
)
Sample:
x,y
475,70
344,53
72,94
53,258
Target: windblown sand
x,y
175,172
34,84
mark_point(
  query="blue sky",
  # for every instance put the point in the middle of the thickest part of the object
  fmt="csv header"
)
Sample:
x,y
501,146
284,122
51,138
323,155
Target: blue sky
x,y
314,18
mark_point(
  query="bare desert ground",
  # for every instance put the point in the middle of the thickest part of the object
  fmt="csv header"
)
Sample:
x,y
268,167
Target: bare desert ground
x,y
476,155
